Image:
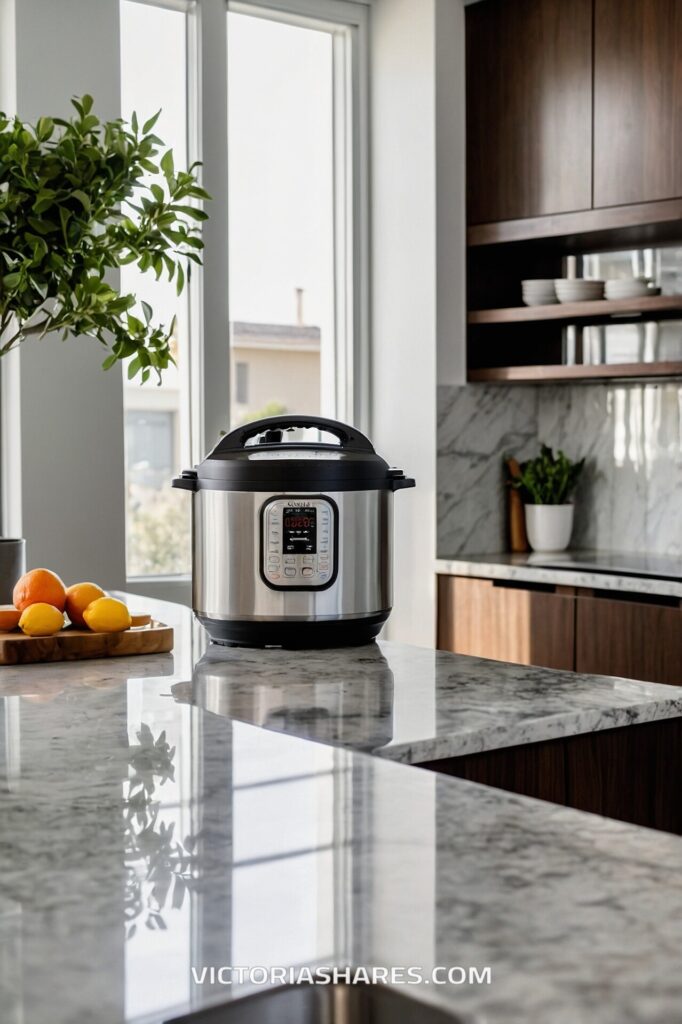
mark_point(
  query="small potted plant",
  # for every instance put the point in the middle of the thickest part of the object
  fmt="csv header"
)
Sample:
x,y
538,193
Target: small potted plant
x,y
546,484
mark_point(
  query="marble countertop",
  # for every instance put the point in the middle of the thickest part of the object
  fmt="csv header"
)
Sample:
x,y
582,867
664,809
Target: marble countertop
x,y
144,835
413,704
603,570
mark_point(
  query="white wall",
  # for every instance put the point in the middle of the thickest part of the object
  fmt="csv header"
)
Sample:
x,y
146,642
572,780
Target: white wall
x,y
417,269
71,419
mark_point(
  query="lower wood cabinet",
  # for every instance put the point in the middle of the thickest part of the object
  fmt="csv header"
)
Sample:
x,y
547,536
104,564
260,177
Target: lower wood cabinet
x,y
633,773
562,628
491,619
629,638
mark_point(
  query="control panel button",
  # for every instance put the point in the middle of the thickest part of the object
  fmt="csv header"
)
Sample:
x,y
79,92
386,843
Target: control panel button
x,y
289,570
306,571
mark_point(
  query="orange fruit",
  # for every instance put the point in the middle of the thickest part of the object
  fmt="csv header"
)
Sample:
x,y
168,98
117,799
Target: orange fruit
x,y
9,617
39,586
107,615
78,597
41,619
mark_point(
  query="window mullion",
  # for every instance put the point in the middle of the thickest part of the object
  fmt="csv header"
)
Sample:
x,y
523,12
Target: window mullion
x,y
215,381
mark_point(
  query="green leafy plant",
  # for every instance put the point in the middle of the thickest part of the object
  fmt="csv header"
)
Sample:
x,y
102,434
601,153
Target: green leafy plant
x,y
79,198
548,479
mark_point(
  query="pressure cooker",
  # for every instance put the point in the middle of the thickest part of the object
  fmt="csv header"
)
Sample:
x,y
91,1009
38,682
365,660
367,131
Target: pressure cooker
x,y
292,538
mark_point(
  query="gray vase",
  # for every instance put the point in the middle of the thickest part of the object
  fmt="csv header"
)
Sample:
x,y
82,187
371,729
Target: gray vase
x,y
12,566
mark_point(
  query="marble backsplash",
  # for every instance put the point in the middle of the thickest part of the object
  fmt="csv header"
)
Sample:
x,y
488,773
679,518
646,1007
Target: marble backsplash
x,y
630,496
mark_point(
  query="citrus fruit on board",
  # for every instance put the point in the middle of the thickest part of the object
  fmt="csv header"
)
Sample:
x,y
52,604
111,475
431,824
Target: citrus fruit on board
x,y
107,615
78,597
41,619
9,617
39,586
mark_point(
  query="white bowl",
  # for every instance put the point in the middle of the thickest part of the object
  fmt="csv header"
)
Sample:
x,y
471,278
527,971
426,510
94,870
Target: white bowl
x,y
578,290
628,288
538,292
540,300
579,287
577,284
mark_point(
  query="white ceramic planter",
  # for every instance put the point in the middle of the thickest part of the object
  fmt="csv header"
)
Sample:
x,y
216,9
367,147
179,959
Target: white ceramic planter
x,y
549,526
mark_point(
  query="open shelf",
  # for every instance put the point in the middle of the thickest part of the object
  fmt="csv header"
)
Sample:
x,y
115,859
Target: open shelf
x,y
559,372
660,306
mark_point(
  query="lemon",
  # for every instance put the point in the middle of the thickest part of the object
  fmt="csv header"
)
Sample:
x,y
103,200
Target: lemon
x,y
41,619
107,615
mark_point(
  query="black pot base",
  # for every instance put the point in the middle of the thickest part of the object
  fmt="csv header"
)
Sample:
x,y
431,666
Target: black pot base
x,y
294,635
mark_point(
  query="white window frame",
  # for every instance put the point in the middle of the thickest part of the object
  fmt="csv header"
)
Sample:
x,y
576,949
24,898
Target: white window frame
x,y
349,22
210,385
177,587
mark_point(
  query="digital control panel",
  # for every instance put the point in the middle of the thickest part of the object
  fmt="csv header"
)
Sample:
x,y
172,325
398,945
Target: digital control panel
x,y
298,542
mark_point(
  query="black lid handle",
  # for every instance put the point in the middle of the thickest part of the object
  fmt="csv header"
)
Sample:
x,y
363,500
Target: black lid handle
x,y
398,481
348,436
187,481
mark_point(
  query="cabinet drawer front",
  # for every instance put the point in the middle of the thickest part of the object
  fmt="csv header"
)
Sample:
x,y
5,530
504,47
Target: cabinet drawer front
x,y
629,638
489,620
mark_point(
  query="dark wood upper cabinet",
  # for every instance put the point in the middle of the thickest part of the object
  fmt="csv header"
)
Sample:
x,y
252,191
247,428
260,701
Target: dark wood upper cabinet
x,y
637,100
529,108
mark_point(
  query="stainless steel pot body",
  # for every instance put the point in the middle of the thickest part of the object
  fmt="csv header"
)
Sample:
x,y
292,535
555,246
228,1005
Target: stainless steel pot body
x,y
230,550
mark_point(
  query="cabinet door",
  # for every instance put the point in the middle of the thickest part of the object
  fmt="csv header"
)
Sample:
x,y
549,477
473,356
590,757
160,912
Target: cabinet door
x,y
637,101
487,619
629,638
529,108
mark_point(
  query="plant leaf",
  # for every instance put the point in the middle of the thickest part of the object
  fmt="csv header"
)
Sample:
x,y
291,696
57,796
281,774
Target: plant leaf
x,y
148,125
167,165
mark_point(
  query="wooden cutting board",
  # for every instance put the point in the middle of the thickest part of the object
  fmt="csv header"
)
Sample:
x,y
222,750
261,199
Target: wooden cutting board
x,y
76,644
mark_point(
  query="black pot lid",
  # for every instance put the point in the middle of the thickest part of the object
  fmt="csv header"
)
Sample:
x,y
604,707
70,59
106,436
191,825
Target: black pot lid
x,y
259,456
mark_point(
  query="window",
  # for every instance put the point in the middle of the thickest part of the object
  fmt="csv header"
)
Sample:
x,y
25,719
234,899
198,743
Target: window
x,y
151,445
287,152
241,387
292,198
157,421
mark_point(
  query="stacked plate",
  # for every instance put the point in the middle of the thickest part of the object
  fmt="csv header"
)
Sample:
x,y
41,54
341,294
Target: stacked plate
x,y
538,292
578,289
629,288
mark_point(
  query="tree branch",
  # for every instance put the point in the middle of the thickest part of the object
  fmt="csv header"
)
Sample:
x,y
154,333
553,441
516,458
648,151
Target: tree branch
x,y
24,332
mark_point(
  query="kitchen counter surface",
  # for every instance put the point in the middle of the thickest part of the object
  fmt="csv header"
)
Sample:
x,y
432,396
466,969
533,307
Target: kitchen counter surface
x,y
600,570
143,836
413,704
